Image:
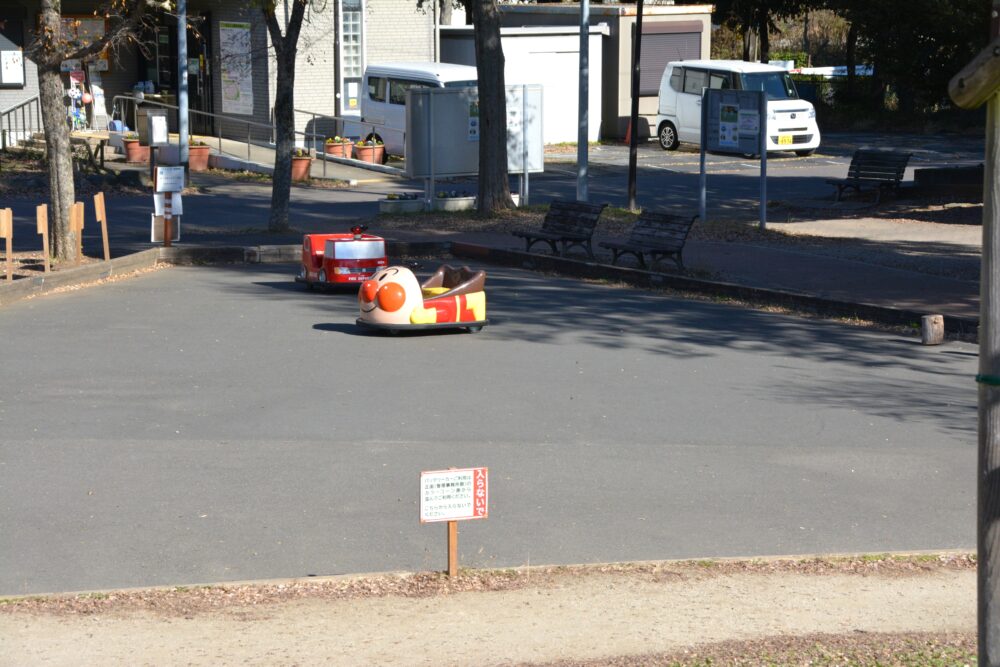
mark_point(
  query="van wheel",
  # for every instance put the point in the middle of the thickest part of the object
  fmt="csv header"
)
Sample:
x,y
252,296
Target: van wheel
x,y
805,153
668,136
385,154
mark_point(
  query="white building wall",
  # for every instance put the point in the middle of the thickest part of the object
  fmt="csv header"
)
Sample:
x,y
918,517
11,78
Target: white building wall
x,y
398,30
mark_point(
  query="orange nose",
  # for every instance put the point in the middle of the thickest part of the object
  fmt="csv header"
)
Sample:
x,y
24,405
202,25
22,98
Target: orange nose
x,y
391,297
368,290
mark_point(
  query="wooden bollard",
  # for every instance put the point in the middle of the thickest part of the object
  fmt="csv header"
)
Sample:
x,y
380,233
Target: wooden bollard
x,y
42,225
932,329
100,212
7,233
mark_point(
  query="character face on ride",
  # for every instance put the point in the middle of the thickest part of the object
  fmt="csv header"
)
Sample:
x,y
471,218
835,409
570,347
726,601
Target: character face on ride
x,y
389,296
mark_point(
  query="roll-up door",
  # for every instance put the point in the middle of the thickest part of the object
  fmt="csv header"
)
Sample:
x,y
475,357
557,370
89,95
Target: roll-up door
x,y
663,43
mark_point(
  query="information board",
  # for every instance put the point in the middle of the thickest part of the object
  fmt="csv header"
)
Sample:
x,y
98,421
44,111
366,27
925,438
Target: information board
x,y
454,495
733,121
169,179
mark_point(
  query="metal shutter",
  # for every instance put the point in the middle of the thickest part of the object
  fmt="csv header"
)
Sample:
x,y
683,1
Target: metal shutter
x,y
660,49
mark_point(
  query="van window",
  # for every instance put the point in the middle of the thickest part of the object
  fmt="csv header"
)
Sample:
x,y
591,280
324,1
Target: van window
x,y
695,80
398,88
376,88
461,84
719,80
676,77
777,85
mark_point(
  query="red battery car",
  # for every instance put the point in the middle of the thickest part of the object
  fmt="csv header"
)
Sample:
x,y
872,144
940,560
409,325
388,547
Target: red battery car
x,y
339,259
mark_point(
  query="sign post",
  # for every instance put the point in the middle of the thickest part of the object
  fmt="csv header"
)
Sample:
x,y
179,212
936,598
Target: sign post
x,y
42,226
169,184
452,496
734,121
7,232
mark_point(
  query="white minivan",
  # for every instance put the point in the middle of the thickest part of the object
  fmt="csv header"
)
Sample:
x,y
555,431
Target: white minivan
x,y
791,122
383,95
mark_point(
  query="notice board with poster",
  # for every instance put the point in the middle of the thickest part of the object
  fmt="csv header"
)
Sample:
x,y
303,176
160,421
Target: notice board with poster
x,y
11,53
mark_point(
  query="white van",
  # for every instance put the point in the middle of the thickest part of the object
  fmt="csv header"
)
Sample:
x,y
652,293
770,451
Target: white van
x,y
383,95
791,122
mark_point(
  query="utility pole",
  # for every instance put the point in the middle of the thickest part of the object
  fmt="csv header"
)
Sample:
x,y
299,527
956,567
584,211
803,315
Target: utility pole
x,y
182,84
978,83
633,139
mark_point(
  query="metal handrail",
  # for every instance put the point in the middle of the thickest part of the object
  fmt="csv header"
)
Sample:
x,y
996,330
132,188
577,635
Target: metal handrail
x,y
356,120
313,137
6,114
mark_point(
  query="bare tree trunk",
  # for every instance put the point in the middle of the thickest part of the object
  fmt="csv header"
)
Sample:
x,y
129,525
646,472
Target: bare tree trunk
x,y
285,49
59,158
765,39
284,121
445,16
494,189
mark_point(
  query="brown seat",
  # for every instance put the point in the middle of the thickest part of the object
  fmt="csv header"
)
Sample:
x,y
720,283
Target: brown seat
x,y
455,281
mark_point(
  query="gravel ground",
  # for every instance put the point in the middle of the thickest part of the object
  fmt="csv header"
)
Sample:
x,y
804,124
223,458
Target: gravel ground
x,y
868,610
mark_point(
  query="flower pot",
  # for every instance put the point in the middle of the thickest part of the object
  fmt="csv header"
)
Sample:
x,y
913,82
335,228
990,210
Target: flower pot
x,y
198,158
338,150
373,154
400,205
136,152
454,203
300,168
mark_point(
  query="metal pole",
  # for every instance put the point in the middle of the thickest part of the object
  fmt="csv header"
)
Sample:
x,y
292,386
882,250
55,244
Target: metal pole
x,y
581,136
633,141
182,83
524,146
762,107
702,173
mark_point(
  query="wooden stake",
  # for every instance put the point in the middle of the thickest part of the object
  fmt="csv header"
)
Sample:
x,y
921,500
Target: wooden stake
x,y
102,217
76,223
452,549
42,223
7,232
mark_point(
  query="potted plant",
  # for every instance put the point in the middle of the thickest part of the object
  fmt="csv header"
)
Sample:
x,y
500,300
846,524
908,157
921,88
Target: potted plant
x,y
198,152
337,146
301,164
369,150
134,151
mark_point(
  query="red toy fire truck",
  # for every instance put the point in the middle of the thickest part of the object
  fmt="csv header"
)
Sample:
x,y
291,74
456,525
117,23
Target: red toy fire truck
x,y
339,259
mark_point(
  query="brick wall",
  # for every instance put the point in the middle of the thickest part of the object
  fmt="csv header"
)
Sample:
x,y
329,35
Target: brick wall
x,y
398,30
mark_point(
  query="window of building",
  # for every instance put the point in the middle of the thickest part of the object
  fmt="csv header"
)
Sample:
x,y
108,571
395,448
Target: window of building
x,y
352,60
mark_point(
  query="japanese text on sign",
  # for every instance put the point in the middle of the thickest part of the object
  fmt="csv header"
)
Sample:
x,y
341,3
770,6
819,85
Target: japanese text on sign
x,y
454,495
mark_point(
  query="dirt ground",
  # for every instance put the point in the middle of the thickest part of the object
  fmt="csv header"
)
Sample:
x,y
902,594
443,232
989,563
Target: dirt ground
x,y
918,610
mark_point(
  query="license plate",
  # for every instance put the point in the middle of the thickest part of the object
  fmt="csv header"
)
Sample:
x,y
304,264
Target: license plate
x,y
784,139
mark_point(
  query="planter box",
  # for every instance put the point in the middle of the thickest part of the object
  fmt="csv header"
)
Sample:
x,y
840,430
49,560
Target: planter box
x,y
135,152
462,203
373,154
198,158
300,168
400,205
338,150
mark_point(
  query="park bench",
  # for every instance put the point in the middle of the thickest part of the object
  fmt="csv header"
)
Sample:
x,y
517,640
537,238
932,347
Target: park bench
x,y
659,235
882,170
567,224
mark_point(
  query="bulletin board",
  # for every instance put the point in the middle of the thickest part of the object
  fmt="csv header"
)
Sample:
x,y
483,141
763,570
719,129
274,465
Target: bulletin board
x,y
11,53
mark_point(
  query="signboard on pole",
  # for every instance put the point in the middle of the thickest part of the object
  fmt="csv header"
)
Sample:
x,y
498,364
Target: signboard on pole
x,y
169,179
454,495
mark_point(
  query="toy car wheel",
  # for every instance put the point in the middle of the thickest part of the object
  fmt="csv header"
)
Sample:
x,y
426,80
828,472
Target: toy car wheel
x,y
475,329
322,275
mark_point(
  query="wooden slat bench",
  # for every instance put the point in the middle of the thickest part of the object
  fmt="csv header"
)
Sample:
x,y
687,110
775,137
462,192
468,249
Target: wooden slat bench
x,y
659,235
882,170
567,224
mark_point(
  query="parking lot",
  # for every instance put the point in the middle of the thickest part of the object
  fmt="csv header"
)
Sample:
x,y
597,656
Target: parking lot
x,y
216,424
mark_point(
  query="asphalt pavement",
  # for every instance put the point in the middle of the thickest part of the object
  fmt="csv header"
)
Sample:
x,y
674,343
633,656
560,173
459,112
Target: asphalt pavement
x,y
222,423
217,424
